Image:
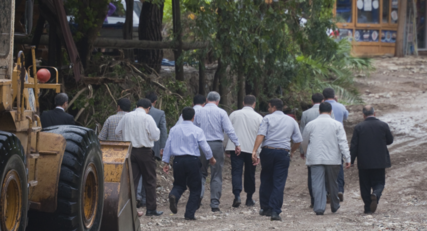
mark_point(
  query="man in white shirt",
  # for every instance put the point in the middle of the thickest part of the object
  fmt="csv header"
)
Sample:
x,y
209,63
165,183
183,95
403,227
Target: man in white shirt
x,y
325,145
141,130
199,102
246,123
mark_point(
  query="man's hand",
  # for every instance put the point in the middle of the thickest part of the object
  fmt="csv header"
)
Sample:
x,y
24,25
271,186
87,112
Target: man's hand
x,y
161,152
166,168
255,159
228,154
302,156
347,165
212,161
238,150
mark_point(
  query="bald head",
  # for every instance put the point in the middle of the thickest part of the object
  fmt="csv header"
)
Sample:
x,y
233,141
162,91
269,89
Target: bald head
x,y
368,110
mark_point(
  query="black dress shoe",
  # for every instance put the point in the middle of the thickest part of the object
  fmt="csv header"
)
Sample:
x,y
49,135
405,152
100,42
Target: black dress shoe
x,y
190,218
275,217
216,210
265,212
374,203
319,213
334,211
138,204
172,204
150,213
250,202
341,196
367,212
311,206
236,202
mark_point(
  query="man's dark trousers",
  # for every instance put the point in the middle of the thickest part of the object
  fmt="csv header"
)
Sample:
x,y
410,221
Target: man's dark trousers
x,y
340,179
274,172
237,163
186,172
143,163
310,186
371,179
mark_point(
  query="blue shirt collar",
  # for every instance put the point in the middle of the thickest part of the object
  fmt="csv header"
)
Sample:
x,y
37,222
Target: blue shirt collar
x,y
278,112
187,122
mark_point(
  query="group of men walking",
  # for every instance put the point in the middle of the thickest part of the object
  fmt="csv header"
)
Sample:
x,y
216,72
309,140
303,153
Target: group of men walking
x,y
196,145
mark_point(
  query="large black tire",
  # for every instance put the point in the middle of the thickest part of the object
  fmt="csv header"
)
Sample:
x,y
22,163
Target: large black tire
x,y
81,183
13,184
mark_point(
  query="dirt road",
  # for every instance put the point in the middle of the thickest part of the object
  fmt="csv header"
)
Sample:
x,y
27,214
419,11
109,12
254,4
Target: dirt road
x,y
398,91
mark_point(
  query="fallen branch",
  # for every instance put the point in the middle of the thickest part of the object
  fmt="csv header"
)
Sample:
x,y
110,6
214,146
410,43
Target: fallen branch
x,y
101,80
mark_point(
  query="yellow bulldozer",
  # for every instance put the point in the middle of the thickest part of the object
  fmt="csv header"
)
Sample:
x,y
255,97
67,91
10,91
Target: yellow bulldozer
x,y
60,177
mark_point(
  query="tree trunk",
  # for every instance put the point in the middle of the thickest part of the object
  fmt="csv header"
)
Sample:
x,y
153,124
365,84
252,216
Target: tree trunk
x,y
202,76
177,30
399,52
241,82
150,27
98,10
128,29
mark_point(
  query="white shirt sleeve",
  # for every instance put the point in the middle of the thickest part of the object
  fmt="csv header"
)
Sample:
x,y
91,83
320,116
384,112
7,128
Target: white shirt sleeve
x,y
343,144
153,131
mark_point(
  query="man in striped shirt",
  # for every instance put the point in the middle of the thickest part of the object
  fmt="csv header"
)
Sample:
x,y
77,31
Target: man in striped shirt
x,y
214,122
109,128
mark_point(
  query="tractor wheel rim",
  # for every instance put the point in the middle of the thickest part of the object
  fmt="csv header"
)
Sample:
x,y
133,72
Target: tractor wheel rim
x,y
11,201
90,195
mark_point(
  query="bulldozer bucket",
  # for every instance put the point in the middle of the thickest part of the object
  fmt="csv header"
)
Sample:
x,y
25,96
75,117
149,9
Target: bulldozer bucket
x,y
119,193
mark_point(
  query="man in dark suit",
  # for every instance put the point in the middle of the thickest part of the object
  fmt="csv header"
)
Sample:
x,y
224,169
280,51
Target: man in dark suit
x,y
369,145
57,116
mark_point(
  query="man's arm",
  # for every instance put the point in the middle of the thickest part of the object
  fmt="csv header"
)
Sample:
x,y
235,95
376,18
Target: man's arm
x,y
255,158
301,127
343,145
228,128
388,135
305,142
153,131
296,138
345,114
103,135
354,145
163,131
167,150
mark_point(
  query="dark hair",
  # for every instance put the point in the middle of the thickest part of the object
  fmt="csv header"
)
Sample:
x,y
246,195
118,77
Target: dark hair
x,y
188,113
329,93
145,103
278,103
60,99
368,110
249,100
124,104
317,98
151,96
325,107
199,99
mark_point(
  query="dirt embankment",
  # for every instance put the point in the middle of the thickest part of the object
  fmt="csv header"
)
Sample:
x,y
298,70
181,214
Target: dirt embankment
x,y
397,89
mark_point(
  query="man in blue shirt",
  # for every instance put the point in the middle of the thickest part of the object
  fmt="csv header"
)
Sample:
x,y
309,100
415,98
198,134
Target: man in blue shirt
x,y
214,122
340,114
275,134
183,143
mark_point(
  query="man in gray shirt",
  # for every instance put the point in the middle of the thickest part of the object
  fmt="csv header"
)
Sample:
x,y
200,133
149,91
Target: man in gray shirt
x,y
308,116
275,134
325,145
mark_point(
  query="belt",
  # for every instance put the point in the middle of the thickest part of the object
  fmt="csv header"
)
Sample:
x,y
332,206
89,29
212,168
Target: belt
x,y
214,141
268,147
141,148
185,156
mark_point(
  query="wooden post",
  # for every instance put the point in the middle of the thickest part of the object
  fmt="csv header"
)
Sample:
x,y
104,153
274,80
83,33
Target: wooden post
x,y
177,31
401,31
128,29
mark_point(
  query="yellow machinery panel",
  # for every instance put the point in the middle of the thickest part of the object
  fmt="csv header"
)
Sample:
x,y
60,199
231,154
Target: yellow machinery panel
x,y
119,192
